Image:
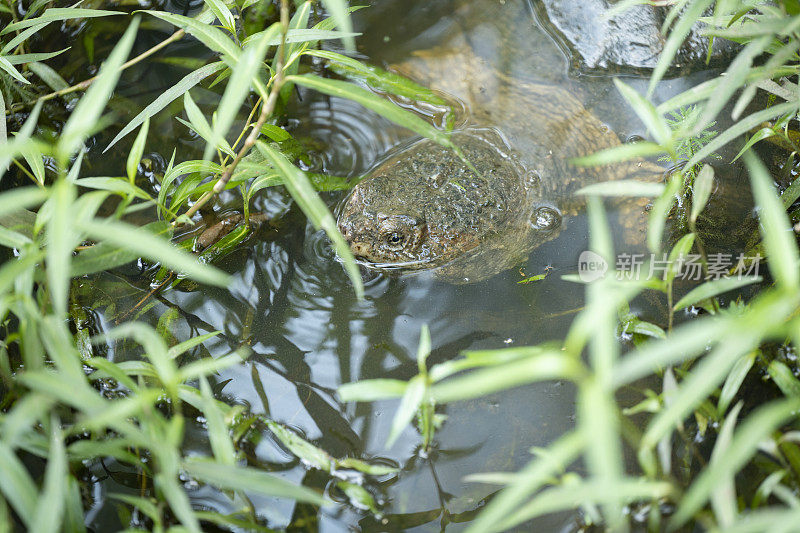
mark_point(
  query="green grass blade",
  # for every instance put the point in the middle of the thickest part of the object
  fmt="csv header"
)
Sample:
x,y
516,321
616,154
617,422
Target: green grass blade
x,y
701,191
572,496
409,403
50,507
303,35
527,481
152,247
779,241
55,14
249,479
734,380
306,197
646,112
135,155
223,14
541,367
740,128
623,152
86,114
164,99
374,103
218,434
660,211
676,38
22,37
21,59
743,446
705,377
623,188
372,389
339,12
16,485
212,37
6,65
685,342
713,288
61,242
734,78
237,89
424,348
189,344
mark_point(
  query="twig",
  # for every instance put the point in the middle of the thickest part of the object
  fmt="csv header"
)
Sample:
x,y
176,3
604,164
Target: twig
x,y
266,111
82,86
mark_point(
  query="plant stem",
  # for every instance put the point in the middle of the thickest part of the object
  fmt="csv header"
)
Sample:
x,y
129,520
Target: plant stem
x,y
267,109
82,86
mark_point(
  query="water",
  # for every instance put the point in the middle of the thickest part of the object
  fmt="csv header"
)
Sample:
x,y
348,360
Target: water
x,y
292,305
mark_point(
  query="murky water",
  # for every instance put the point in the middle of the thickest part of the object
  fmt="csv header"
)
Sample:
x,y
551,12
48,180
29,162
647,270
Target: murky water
x,y
292,304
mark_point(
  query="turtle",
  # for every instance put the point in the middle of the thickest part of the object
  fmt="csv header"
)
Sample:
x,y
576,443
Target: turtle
x,y
470,215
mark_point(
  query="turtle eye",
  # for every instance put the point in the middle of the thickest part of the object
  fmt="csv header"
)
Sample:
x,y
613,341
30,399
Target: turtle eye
x,y
395,240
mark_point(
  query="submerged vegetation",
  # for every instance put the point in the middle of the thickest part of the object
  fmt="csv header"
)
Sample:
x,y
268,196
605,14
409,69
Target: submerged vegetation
x,y
68,408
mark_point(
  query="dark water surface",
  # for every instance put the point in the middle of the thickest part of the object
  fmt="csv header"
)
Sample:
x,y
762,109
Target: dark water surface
x,y
292,304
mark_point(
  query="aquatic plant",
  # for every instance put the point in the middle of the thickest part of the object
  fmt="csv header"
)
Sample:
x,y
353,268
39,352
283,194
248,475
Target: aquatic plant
x,y
66,410
703,431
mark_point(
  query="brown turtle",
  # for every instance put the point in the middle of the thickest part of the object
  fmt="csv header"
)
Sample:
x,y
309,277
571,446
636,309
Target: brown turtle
x,y
422,207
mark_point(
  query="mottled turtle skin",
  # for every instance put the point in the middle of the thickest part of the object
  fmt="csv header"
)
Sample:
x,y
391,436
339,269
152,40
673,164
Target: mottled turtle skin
x,y
423,208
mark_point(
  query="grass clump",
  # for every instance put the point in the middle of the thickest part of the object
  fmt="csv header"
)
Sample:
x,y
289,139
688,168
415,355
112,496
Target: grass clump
x,y
702,431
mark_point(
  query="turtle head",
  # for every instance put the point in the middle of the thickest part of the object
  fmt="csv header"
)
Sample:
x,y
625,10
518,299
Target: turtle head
x,y
382,235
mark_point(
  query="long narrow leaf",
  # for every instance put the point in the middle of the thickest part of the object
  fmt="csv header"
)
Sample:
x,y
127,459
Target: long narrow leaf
x,y
306,197
84,117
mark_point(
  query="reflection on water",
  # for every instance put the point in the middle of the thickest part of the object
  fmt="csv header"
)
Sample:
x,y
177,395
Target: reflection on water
x,y
291,303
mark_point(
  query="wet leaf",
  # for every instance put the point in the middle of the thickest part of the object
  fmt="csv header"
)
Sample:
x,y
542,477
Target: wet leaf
x,y
359,497
311,455
365,467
